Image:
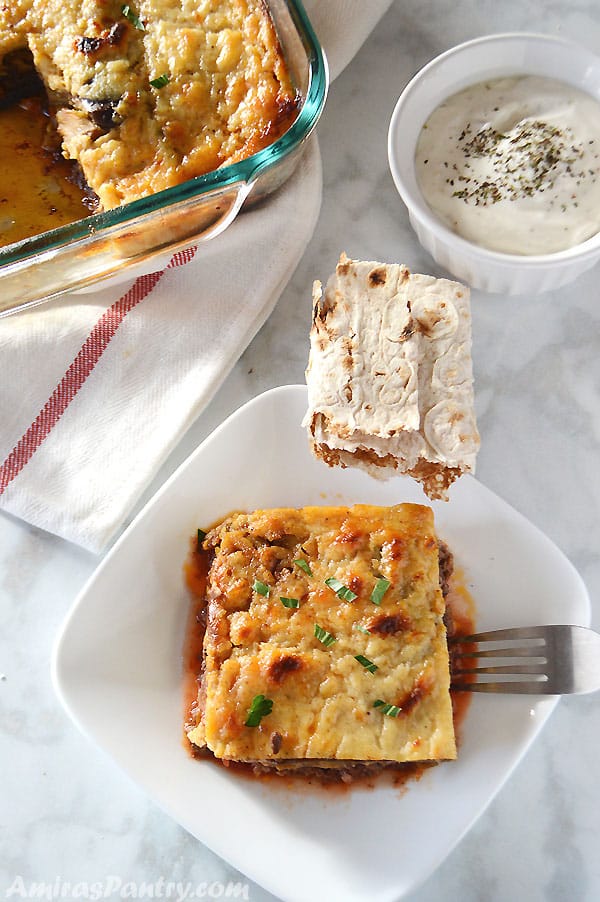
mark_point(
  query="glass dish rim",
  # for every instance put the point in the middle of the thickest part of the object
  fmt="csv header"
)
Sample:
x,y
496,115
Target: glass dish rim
x,y
245,171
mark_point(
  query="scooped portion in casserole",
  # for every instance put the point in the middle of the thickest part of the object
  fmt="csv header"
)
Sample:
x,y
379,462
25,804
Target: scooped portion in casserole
x,y
150,94
325,645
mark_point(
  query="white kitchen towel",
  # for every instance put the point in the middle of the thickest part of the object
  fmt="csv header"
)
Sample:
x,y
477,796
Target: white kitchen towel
x,y
98,388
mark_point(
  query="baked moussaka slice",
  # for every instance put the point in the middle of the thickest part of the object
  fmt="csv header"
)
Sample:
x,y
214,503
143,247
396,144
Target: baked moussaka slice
x,y
325,644
390,384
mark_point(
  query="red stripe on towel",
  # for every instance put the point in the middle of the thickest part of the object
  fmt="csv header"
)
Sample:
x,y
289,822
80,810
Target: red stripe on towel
x,y
87,357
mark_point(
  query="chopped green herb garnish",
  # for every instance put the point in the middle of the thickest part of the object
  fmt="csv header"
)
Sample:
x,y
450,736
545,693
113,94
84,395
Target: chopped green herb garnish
x,y
131,17
390,710
323,636
261,588
381,587
289,602
201,537
303,565
362,629
368,665
340,589
161,81
259,708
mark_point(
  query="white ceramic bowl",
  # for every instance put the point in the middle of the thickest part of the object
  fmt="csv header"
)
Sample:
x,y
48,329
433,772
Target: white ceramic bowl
x,y
493,56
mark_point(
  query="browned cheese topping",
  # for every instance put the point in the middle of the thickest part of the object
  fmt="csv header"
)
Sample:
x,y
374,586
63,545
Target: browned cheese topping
x,y
356,670
151,94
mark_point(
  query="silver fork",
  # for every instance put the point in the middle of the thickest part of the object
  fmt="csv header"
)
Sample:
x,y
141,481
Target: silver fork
x,y
554,659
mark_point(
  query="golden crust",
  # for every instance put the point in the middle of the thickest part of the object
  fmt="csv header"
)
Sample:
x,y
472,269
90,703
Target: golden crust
x,y
323,698
227,92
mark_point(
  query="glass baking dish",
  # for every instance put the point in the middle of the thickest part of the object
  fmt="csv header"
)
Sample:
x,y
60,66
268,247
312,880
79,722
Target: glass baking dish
x,y
139,237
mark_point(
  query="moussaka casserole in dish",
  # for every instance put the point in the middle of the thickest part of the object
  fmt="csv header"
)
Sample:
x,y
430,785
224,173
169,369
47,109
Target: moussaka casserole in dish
x,y
325,645
150,94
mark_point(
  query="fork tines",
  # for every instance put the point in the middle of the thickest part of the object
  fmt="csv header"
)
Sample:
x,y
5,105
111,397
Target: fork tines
x,y
554,659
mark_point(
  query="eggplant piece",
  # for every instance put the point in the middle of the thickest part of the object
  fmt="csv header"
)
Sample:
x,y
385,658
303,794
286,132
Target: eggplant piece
x,y
102,112
18,78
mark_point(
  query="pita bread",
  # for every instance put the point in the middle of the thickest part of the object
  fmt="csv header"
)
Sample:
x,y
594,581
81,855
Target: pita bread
x,y
390,385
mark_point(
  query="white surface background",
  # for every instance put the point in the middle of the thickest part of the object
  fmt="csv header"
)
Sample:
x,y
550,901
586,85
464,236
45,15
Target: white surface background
x,y
65,811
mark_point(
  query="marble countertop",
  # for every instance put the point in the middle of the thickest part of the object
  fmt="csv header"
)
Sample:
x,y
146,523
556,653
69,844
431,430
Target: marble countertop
x,y
67,813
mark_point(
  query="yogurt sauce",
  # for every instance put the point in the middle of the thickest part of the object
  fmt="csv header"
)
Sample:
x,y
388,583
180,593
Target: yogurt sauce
x,y
513,164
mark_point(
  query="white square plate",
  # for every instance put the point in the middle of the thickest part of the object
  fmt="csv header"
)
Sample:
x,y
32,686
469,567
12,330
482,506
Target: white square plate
x,y
118,668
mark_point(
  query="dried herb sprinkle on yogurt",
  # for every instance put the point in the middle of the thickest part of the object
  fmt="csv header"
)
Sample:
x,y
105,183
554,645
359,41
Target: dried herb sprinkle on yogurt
x,y
513,164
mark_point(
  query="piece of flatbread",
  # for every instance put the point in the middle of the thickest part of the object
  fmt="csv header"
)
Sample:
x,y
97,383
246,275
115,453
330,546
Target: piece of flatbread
x,y
390,384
